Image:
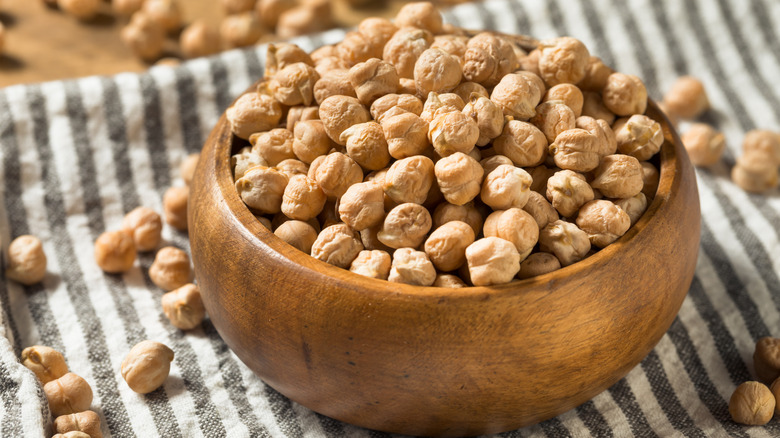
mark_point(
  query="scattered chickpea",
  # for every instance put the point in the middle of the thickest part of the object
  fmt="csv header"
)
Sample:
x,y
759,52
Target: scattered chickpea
x,y
568,191
115,251
538,263
184,307
144,36
26,260
405,226
199,39
563,61
446,246
411,267
240,30
47,363
86,423
406,135
506,187
409,179
372,263
145,227
755,173
517,96
337,245
564,239
593,106
357,47
618,176
752,403
513,225
81,9
459,178
638,136
403,49
372,79
488,59
489,164
146,366
294,84
553,118
569,94
492,260
334,82
764,143
624,94
339,113
310,140
423,15
634,206
335,173
170,269
596,74
292,167
686,98
540,209
302,198
604,222
175,202
299,234
704,144
124,8
446,212
269,11
465,90
253,112
766,359
449,281
300,113
68,394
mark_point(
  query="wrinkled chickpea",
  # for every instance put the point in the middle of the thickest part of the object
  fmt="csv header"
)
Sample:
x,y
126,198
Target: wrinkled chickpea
x,y
26,260
389,101
766,359
446,246
568,191
552,118
170,269
366,145
362,205
199,39
522,143
466,89
405,226
604,222
459,178
650,179
409,179
165,12
184,307
436,70
302,199
755,172
261,188
245,160
624,94
596,74
704,144
455,45
175,202
240,30
292,167
269,11
530,62
563,61
300,235
144,37
115,252
72,434
86,423
294,84
564,239
377,30
145,227
763,143
300,113
335,173
371,242
47,363
253,112
593,106
686,98
618,176
372,79
435,106
513,225
357,47
540,175
540,209
538,263
146,366
488,115
575,149
488,59
638,136
339,113
506,187
334,82
634,206
337,245
372,263
309,17
411,267
752,403
423,15
403,49
492,260
81,9
446,212
517,96
273,146
449,281
68,394
453,132
569,94
310,140
490,164
607,142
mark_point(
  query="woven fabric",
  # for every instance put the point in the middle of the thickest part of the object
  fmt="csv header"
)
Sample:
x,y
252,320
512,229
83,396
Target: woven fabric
x,y
77,155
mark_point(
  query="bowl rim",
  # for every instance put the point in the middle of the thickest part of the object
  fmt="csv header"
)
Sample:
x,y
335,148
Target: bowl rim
x,y
669,180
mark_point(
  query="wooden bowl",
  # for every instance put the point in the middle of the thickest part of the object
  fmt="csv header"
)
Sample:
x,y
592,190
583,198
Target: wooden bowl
x,y
434,361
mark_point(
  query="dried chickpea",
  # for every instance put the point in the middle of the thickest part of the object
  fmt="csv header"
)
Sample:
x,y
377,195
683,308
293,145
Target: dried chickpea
x,y
362,205
377,30
366,145
606,136
563,61
446,212
766,359
335,173
764,143
453,132
334,82
146,366
523,143
261,188
490,164
47,363
26,260
405,226
144,36
704,144
184,307
564,239
517,96
302,199
488,115
459,178
357,47
294,84
86,423
755,172
513,225
650,179
199,39
300,113
274,146
538,263
240,30
279,219
686,98
269,11
253,112
434,106
165,12
575,149
339,113
448,280
569,94
604,222
492,260
72,434
540,175
383,104
115,252
593,106
281,55
175,202
409,179
371,242
446,246
466,89
403,49
411,267
145,227
752,403
187,167
310,140
506,187
68,394
299,234
596,74
372,263
634,206
540,209
170,269
618,176
638,136
568,191
245,160
292,167
81,9
124,8
455,45
624,94
423,15
309,17
337,245
552,118
488,59
436,70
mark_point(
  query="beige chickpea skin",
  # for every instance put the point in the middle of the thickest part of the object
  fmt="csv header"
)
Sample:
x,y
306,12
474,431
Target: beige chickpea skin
x,y
752,403
146,366
488,115
339,113
516,226
405,226
625,94
409,179
446,246
403,49
281,55
299,234
292,167
459,178
337,245
638,136
47,363
563,60
165,12
145,226
618,176
634,206
335,173
72,434
436,70
198,39
569,94
384,103
455,45
437,104
372,263
564,239
575,149
488,59
253,112
530,62
538,263
240,30
552,118
506,187
86,423
269,11
453,132
517,96
489,164
567,191
183,307
596,74
310,140
593,106
300,113
448,281
334,82
371,242
406,135
372,79
523,143
650,179
175,202
245,160
764,143
540,209
465,89
170,269
687,98
540,175
81,9
607,142
604,222
144,37
274,146
755,173
261,188
123,8
294,84
302,199
411,267
356,47
766,359
115,251
68,394
366,144
492,260
26,263
309,17
378,30
423,15
446,212
362,205
704,144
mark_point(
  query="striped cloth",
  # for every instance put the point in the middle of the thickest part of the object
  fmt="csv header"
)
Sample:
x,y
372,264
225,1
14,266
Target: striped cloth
x,y
77,155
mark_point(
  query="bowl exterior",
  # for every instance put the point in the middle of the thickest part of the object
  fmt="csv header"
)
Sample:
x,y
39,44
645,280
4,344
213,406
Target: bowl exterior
x,y
432,361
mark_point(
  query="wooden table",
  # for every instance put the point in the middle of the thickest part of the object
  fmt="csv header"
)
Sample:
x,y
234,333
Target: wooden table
x,y
45,44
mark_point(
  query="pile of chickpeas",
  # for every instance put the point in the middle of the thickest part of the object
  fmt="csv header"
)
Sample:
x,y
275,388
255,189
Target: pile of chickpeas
x,y
415,153
753,402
